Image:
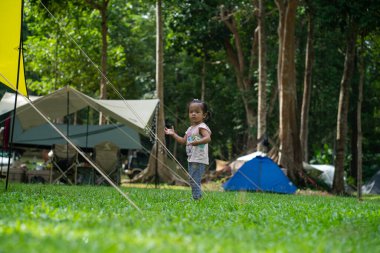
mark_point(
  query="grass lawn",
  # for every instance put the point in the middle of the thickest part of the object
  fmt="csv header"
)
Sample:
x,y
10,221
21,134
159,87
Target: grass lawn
x,y
58,218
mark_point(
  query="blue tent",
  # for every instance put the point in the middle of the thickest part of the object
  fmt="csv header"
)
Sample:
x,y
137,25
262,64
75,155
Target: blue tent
x,y
260,174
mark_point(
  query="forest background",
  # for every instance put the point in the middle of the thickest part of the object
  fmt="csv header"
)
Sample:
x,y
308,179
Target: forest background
x,y
212,51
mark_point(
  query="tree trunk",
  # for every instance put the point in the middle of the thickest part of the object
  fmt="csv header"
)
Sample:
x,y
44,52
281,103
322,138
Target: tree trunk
x,y
161,155
309,58
354,138
275,88
203,79
272,100
157,170
281,10
102,8
176,123
290,147
103,80
359,121
338,183
262,104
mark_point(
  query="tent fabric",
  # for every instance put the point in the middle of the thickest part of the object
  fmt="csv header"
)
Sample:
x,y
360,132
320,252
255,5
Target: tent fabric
x,y
373,185
11,59
236,165
136,114
8,101
82,136
250,156
260,174
324,172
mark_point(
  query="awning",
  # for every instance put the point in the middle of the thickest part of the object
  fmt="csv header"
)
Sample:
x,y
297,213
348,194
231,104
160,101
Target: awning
x,y
8,100
136,114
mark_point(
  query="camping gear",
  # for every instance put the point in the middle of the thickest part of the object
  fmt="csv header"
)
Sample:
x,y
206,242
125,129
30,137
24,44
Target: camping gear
x,y
65,163
38,176
373,185
107,157
260,174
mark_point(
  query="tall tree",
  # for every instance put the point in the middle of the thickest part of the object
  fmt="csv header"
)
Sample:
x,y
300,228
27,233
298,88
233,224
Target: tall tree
x,y
290,147
157,169
341,131
160,143
102,7
262,104
359,149
307,85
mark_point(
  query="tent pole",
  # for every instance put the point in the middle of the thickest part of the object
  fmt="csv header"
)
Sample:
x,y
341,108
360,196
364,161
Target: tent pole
x,y
92,175
87,125
15,105
67,123
10,148
156,165
156,179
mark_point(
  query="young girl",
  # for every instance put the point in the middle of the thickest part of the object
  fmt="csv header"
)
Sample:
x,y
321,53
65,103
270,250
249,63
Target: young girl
x,y
196,138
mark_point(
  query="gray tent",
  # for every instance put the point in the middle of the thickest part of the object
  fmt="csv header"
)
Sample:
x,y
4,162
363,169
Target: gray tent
x,y
81,135
373,185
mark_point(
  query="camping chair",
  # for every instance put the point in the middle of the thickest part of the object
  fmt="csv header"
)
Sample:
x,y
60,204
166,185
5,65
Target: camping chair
x,y
65,164
107,157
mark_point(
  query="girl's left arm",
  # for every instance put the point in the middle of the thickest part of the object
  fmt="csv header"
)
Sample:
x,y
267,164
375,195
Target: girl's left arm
x,y
206,137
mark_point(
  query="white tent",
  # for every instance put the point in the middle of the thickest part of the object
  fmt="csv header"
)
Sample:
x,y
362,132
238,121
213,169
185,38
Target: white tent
x,y
249,157
235,165
324,172
136,114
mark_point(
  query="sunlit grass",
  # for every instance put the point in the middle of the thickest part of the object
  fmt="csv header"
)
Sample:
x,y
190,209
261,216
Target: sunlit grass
x,y
56,218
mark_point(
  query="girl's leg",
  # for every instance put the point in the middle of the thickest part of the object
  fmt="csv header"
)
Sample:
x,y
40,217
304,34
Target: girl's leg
x,y
196,171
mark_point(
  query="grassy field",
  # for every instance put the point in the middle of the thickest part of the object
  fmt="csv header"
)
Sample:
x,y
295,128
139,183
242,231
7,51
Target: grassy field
x,y
57,218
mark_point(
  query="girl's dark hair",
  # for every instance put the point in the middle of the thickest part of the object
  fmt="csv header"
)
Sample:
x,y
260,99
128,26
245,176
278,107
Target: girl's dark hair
x,y
204,108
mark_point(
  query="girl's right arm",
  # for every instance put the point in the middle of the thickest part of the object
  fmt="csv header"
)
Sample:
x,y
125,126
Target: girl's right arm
x,y
179,139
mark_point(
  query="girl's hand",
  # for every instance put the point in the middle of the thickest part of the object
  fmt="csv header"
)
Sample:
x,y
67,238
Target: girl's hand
x,y
204,139
169,131
195,141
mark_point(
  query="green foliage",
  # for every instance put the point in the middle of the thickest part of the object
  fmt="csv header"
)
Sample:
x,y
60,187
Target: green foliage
x,y
53,218
52,58
132,48
65,50
323,155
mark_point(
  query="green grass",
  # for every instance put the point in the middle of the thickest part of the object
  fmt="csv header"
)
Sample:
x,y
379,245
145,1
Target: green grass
x,y
57,218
